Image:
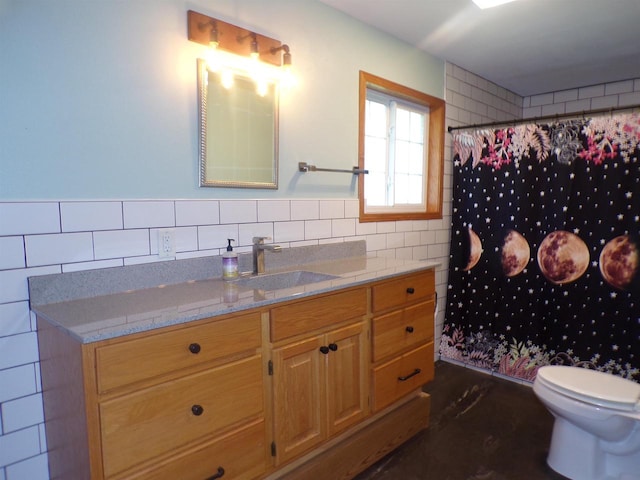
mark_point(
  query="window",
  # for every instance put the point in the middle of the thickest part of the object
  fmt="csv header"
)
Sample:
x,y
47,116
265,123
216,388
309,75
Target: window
x,y
401,139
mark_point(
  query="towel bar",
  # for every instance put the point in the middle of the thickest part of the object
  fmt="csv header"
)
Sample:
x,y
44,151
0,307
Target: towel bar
x,y
305,167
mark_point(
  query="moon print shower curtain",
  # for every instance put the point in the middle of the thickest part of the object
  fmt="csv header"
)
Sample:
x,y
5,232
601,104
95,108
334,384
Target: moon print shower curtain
x,y
545,248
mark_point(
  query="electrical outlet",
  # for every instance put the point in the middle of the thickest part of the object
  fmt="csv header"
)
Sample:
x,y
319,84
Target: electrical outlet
x,y
166,243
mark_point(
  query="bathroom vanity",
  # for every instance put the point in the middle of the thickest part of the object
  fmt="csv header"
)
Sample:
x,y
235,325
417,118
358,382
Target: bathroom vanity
x,y
206,379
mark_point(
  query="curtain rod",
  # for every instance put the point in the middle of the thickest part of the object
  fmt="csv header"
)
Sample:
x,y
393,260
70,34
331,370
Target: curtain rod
x,y
584,113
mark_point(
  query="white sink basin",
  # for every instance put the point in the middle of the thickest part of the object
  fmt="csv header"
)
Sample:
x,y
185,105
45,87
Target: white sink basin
x,y
277,281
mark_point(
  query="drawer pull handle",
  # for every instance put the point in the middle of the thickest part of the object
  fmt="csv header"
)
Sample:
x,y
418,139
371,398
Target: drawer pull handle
x,y
333,347
407,377
194,348
217,475
324,349
411,290
197,410
409,329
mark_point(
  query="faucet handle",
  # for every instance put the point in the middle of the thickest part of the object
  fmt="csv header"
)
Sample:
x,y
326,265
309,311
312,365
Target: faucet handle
x,y
260,240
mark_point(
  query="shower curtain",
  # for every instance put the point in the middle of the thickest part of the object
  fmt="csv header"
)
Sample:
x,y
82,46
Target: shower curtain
x,y
545,247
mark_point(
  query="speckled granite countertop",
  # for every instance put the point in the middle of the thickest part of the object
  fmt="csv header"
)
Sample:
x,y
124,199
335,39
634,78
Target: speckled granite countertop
x,y
115,314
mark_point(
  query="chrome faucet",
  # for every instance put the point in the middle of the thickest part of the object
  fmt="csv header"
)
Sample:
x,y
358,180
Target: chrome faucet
x,y
258,252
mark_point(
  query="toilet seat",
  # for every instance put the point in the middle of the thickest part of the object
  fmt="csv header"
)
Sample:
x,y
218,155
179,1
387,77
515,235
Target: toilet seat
x,y
591,386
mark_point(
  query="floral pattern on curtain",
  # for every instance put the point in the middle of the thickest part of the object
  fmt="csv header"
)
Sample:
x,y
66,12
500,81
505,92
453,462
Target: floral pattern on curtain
x,y
545,242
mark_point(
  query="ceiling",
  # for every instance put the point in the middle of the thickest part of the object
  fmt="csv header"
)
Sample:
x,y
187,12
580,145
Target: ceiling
x,y
528,46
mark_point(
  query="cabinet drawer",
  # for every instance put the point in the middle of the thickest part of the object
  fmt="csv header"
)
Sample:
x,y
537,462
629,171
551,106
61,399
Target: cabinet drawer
x,y
130,361
240,454
402,329
156,420
308,315
406,289
402,375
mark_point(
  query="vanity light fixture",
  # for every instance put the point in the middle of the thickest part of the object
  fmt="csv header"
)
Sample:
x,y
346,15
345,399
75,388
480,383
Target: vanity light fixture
x,y
229,52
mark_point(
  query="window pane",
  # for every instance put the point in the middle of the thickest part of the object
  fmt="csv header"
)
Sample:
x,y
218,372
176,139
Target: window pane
x,y
376,119
416,184
376,154
375,185
417,127
402,157
402,189
416,159
403,124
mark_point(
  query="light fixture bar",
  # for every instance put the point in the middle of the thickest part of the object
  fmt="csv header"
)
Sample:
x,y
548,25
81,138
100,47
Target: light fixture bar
x,y
490,3
200,30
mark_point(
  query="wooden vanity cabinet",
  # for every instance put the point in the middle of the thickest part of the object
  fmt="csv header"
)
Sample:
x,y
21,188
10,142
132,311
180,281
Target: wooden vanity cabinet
x,y
402,343
319,387
319,381
170,403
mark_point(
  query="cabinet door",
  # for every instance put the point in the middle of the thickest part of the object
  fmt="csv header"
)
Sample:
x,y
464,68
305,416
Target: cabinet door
x,y
346,388
298,377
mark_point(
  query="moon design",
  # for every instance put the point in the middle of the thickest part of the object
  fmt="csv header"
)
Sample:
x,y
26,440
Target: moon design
x,y
563,257
476,250
619,261
515,253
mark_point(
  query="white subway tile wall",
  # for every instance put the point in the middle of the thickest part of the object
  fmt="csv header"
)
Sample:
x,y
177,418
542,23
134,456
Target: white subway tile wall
x,y
197,212
38,238
22,380
58,248
91,216
605,95
149,214
11,253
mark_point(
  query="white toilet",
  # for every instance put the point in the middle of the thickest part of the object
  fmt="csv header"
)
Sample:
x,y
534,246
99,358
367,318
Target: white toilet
x,y
596,433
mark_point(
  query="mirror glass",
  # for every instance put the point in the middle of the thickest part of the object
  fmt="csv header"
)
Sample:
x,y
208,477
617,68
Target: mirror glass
x,y
238,132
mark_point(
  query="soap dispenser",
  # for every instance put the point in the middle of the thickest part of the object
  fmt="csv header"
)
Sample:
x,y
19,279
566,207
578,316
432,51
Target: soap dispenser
x,y
229,262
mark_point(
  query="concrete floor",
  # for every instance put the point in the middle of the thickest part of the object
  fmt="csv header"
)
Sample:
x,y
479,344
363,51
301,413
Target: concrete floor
x,y
482,428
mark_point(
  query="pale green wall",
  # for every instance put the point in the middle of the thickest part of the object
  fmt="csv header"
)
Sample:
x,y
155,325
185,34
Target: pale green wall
x,y
98,97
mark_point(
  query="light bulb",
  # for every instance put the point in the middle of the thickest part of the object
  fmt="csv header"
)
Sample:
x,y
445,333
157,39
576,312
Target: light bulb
x,y
287,78
226,78
213,58
262,87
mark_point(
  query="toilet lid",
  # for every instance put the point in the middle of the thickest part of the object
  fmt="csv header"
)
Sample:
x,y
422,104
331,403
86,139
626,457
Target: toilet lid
x,y
595,387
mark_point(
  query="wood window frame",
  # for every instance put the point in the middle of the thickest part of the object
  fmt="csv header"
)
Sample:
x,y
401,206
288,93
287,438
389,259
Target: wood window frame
x,y
435,149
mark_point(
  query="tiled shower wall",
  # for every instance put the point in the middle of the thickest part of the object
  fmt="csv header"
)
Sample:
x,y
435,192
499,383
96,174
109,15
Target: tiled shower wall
x,y
39,238
594,97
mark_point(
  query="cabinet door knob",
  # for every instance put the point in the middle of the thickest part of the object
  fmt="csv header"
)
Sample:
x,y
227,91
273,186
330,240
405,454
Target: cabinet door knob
x,y
197,410
219,474
333,347
194,348
411,290
324,349
409,329
412,374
